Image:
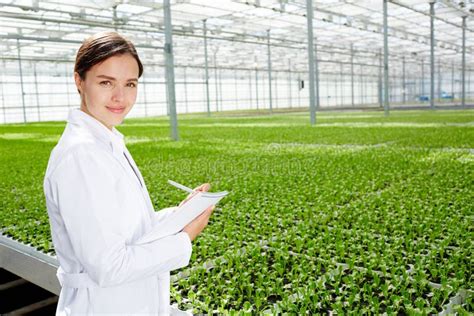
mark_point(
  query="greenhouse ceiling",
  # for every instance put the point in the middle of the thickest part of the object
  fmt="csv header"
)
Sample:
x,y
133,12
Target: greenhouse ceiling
x,y
238,31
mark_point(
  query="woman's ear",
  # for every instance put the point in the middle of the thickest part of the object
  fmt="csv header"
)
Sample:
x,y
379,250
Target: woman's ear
x,y
78,81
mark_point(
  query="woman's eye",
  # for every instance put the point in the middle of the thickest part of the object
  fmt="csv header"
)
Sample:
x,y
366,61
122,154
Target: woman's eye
x,y
105,83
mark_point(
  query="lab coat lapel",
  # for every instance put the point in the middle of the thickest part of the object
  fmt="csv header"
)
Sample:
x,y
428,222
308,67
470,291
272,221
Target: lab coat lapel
x,y
113,140
135,167
144,189
119,150
118,153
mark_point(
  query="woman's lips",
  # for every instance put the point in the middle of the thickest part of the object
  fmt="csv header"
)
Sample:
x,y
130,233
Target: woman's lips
x,y
115,110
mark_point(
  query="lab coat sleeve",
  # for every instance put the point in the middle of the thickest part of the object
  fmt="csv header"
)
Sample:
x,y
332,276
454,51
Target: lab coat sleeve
x,y
89,196
163,214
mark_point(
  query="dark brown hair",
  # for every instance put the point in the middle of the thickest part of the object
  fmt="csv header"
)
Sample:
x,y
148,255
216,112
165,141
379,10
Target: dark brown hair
x,y
101,46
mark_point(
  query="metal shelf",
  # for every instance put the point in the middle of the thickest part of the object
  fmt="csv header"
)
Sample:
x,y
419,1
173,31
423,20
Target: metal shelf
x,y
30,264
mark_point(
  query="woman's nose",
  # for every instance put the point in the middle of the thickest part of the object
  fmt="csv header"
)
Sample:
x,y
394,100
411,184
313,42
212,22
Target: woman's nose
x,y
118,94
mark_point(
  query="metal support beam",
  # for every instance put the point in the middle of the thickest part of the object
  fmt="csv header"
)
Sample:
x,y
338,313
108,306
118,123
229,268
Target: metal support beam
x,y
68,92
452,80
37,92
380,88
404,84
34,307
362,93
145,101
341,83
316,74
422,77
250,89
299,90
276,89
309,19
289,84
204,28
269,57
169,59
352,75
256,85
21,80
215,79
469,92
185,89
220,89
385,59
12,284
236,93
30,264
432,59
115,20
463,67
3,94
440,80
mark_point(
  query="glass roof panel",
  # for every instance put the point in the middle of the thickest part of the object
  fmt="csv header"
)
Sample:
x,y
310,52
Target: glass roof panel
x,y
49,29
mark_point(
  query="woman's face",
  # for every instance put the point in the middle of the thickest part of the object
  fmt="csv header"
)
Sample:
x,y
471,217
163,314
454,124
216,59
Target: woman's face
x,y
109,89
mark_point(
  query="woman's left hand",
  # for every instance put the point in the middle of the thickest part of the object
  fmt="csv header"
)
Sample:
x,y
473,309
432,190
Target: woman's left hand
x,y
202,188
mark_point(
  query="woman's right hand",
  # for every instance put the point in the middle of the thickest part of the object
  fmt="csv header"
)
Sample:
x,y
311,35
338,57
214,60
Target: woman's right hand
x,y
197,225
202,188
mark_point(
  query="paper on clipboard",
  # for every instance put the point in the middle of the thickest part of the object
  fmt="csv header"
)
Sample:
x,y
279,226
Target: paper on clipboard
x,y
182,216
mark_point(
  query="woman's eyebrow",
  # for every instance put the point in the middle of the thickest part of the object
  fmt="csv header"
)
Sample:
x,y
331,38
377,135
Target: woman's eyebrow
x,y
112,78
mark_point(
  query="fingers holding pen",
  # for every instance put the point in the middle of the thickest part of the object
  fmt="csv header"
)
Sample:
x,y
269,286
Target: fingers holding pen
x,y
205,187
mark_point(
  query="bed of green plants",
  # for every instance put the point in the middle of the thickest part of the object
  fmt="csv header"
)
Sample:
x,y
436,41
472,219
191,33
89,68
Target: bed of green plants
x,y
273,280
361,213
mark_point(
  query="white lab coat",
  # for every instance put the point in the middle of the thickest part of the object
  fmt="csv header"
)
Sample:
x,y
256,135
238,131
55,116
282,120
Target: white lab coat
x,y
98,207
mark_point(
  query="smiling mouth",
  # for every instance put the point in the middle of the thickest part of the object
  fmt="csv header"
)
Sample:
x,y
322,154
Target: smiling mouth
x,y
115,110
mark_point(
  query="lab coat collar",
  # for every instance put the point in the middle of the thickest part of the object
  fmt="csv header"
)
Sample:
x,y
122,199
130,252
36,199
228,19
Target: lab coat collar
x,y
115,140
112,138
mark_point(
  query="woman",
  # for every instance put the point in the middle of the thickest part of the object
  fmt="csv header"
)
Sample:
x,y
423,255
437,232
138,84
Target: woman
x,y
97,200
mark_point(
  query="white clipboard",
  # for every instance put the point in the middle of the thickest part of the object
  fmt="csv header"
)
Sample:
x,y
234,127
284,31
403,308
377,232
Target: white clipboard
x,y
182,215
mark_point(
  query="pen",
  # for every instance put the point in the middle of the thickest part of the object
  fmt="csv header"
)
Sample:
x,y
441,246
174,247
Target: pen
x,y
180,186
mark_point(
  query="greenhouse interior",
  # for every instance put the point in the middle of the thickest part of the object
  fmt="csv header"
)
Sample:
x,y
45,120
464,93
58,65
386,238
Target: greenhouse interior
x,y
342,132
